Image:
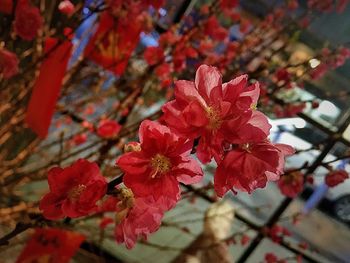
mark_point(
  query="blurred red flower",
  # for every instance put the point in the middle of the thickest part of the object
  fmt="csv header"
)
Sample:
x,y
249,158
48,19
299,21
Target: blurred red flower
x,y
66,7
27,20
8,64
153,55
245,240
80,138
215,30
283,75
163,72
336,177
271,258
291,184
277,232
108,129
74,190
168,38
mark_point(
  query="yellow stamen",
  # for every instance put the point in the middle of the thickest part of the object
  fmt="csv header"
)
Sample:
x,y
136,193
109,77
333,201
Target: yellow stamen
x,y
127,201
160,165
215,121
246,147
75,193
127,197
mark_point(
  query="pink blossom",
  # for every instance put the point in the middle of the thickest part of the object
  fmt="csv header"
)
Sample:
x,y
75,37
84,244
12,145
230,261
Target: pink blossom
x,y
162,161
250,166
215,112
142,219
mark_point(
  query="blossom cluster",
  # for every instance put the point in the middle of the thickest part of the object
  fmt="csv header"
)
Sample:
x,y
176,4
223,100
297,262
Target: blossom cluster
x,y
218,121
207,121
26,25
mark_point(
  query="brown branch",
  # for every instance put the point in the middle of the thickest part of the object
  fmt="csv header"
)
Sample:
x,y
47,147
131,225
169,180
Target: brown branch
x,y
20,228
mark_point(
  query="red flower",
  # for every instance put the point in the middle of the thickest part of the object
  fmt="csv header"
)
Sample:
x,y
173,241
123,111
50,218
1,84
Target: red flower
x,y
293,4
315,104
6,6
228,4
291,184
66,7
277,233
153,55
250,166
108,129
162,162
79,138
215,30
8,64
143,219
27,20
245,240
336,177
88,125
283,75
271,258
168,38
215,112
190,52
244,26
136,217
163,72
74,190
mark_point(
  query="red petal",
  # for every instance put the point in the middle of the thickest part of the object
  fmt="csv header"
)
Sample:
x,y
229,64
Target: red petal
x,y
234,88
207,78
185,91
189,171
133,163
51,206
195,114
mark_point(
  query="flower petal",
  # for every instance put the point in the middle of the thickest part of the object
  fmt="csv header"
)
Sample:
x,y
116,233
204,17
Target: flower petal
x,y
207,78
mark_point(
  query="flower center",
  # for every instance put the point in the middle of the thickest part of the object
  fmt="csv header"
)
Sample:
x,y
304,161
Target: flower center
x,y
75,193
127,201
246,147
215,121
160,165
127,197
